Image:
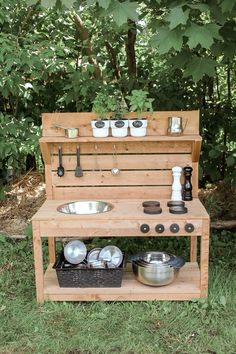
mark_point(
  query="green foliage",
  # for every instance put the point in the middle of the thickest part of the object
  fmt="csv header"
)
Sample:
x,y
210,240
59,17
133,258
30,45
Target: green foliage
x,y
184,57
103,104
17,139
140,103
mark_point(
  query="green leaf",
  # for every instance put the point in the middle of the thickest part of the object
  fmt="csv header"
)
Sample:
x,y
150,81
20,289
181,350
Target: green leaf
x,y
214,153
68,3
177,16
200,7
48,3
214,30
230,161
31,2
227,5
90,2
166,39
197,68
122,11
104,3
199,35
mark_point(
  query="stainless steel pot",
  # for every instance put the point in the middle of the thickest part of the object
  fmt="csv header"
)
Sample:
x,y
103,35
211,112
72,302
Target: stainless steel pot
x,y
155,276
156,268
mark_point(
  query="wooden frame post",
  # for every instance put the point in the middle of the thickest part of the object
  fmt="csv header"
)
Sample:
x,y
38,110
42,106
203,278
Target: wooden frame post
x,y
204,259
38,261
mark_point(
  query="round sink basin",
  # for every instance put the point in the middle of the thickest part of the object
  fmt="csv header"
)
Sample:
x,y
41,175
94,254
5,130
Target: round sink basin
x,y
85,207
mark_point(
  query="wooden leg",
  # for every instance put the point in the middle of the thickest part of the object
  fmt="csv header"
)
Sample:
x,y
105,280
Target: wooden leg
x,y
38,261
193,249
204,259
51,249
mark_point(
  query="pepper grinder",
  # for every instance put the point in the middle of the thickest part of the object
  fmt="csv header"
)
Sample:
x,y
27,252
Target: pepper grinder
x,y
187,186
176,186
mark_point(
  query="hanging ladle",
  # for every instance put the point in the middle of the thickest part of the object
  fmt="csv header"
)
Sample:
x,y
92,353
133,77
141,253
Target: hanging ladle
x,y
115,170
60,169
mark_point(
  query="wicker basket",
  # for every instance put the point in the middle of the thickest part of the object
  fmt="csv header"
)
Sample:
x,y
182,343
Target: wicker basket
x,y
87,277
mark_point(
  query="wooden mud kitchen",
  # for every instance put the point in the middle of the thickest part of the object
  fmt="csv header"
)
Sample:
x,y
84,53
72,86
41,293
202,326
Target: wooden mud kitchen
x,y
122,172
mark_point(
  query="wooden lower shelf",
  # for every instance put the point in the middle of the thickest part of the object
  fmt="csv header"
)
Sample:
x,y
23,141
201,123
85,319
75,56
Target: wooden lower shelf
x,y
185,287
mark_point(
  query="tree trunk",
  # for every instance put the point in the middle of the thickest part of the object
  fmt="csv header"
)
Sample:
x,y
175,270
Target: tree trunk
x,y
130,49
84,37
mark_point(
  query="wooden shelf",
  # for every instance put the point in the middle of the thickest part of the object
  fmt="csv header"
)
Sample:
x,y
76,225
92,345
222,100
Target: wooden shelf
x,y
185,287
110,139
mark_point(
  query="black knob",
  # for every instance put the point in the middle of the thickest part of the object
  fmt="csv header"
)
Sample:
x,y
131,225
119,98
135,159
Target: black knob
x,y
174,228
189,227
145,228
159,228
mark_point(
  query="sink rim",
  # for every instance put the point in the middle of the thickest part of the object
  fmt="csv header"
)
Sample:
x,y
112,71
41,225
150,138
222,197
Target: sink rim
x,y
95,203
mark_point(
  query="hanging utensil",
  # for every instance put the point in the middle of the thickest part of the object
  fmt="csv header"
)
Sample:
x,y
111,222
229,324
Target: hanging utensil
x,y
115,170
78,170
60,169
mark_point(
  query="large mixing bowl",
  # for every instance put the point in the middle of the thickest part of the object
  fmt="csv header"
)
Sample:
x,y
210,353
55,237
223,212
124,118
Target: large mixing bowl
x,y
156,268
154,276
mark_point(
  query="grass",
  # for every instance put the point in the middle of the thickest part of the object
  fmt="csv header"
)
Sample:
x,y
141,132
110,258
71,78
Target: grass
x,y
198,326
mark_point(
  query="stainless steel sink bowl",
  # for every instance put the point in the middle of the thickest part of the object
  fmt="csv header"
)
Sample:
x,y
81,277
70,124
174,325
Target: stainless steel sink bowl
x,y
85,207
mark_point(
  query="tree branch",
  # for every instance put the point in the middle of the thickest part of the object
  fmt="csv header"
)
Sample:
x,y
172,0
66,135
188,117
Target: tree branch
x,y
84,37
112,55
130,49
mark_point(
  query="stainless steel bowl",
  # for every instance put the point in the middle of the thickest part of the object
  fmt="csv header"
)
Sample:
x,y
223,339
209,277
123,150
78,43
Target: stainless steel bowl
x,y
156,268
156,257
85,207
75,251
155,276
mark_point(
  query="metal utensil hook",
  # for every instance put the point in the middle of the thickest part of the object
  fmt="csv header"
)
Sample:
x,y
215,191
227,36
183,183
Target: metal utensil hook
x,y
115,170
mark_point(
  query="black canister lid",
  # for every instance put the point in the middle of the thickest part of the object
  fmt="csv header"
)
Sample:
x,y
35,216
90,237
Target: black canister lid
x,y
151,203
178,210
172,203
152,210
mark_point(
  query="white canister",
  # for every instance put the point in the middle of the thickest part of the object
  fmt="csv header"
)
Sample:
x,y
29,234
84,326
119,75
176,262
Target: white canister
x,y
119,128
138,127
100,128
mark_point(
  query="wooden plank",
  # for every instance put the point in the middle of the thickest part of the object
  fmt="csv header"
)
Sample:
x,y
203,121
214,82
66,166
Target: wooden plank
x,y
134,162
131,147
185,287
157,124
117,228
105,178
148,138
123,209
195,179
204,259
38,261
120,192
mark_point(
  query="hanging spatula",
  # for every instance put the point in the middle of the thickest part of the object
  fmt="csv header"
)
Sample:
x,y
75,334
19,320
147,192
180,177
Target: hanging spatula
x,y
78,170
60,169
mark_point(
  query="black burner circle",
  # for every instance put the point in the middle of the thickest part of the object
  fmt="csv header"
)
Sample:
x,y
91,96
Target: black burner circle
x,y
152,210
151,203
178,210
173,203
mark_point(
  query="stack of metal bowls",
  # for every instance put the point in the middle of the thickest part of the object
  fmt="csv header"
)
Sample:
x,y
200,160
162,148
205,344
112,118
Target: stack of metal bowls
x,y
156,268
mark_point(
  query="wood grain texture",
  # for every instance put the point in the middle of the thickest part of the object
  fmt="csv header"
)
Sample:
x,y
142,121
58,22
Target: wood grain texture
x,y
157,124
185,287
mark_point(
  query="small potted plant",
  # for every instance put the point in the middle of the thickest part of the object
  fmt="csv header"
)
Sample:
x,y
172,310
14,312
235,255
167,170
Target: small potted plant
x,y
119,124
103,104
142,105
